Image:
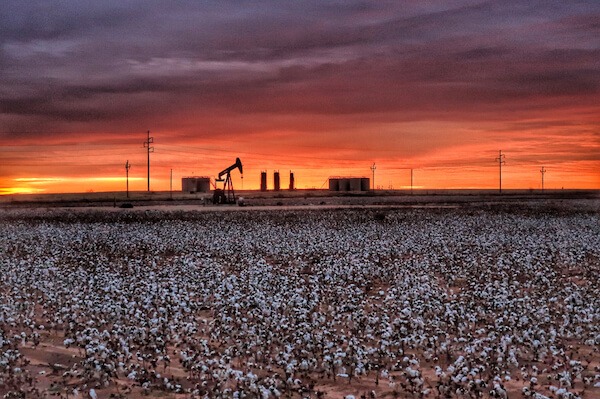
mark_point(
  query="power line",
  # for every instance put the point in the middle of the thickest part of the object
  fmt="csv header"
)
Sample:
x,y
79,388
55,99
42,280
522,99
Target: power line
x,y
216,149
373,169
543,171
127,166
192,150
500,162
147,143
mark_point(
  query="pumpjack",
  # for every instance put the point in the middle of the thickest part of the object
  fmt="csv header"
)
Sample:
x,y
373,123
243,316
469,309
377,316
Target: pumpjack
x,y
226,195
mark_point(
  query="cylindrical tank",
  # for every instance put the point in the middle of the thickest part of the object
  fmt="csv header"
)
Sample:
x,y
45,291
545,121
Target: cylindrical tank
x,y
188,185
276,181
334,184
291,181
204,184
263,181
344,184
195,184
365,184
354,184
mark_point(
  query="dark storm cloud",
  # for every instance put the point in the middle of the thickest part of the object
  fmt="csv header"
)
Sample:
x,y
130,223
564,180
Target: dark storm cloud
x,y
67,62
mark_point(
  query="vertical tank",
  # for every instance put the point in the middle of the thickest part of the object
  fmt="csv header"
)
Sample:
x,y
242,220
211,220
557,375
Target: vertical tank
x,y
276,181
195,184
203,185
344,184
188,184
365,184
334,184
263,181
354,184
291,181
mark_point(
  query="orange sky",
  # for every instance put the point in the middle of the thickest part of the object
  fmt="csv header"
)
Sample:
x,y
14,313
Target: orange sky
x,y
460,161
320,89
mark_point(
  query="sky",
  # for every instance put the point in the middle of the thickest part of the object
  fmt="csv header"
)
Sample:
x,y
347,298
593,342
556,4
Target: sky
x,y
321,88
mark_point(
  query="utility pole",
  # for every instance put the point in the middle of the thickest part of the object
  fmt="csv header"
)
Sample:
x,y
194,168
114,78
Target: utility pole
x,y
171,183
127,166
147,143
500,162
373,169
411,181
543,171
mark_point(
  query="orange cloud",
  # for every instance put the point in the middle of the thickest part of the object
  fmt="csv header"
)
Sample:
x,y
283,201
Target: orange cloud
x,y
436,87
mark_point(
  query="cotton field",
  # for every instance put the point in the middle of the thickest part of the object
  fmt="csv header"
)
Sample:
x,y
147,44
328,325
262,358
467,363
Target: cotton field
x,y
434,303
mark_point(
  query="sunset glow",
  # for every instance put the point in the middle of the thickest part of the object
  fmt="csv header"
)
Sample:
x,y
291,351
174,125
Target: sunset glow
x,y
319,88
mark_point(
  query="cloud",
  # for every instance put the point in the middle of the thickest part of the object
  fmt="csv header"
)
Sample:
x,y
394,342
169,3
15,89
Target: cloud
x,y
202,71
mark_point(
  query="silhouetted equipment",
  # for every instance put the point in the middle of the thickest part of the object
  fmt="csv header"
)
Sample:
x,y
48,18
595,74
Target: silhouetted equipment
x,y
195,184
334,184
150,149
127,167
373,169
276,181
291,181
411,181
364,184
543,172
349,184
263,181
226,195
500,162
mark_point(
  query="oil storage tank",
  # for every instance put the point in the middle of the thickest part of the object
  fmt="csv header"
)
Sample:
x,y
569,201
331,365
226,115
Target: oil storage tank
x,y
263,181
349,184
195,184
276,181
334,184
